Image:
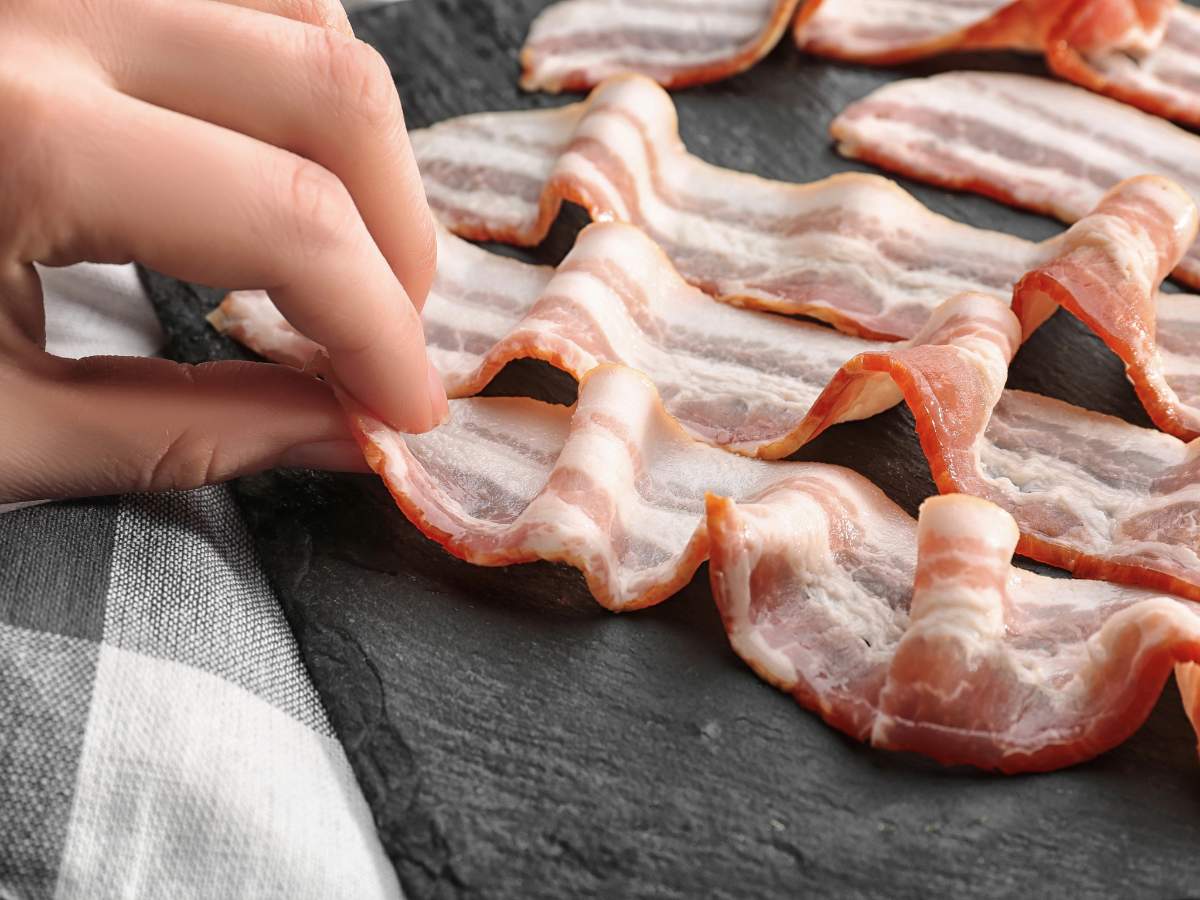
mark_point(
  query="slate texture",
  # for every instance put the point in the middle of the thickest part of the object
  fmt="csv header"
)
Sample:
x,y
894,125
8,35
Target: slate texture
x,y
514,740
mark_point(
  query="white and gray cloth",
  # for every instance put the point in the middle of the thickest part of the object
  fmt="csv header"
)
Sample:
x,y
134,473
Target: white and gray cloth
x,y
159,735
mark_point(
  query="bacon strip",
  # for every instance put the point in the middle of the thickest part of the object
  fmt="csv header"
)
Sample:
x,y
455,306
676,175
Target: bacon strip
x,y
1091,493
576,44
1107,268
812,571
612,486
1025,141
923,637
1165,82
1107,273
853,250
886,32
1141,51
747,381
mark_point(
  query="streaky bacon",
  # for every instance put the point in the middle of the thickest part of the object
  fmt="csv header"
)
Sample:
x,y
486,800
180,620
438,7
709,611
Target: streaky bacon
x,y
1164,80
576,44
922,636
1143,52
612,486
1091,493
1107,273
886,32
1106,269
1029,142
750,382
853,250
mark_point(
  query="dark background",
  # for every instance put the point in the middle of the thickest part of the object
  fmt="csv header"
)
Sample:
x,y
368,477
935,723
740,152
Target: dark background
x,y
515,740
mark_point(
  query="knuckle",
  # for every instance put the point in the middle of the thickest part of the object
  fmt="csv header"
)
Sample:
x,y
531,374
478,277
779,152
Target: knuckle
x,y
359,79
425,249
35,115
318,207
30,171
188,460
322,13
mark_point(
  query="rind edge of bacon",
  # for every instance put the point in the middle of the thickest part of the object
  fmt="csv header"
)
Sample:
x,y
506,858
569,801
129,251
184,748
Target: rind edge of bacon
x,y
981,664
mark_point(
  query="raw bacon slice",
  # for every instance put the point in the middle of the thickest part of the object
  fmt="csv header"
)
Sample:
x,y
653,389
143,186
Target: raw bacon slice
x,y
885,32
746,381
1107,273
1091,493
576,44
1165,82
1105,269
922,636
611,486
1139,51
1049,147
853,250
477,300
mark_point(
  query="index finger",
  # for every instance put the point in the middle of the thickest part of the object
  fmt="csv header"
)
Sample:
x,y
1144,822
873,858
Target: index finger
x,y
312,90
287,225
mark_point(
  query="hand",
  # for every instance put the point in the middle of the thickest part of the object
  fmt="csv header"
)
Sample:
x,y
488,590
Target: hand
x,y
243,143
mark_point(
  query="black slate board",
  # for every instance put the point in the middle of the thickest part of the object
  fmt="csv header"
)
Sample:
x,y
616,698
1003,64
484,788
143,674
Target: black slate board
x,y
513,740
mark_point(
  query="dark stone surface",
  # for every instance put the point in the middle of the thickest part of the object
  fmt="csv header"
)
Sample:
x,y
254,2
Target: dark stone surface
x,y
514,740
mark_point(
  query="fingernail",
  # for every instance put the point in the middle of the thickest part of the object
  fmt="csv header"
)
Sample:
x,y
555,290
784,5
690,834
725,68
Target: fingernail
x,y
439,405
332,456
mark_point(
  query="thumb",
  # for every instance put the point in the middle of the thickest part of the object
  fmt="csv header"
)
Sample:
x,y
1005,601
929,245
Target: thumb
x,y
103,425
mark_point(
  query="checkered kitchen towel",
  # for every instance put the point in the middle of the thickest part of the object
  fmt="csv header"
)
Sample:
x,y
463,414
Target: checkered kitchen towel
x,y
159,736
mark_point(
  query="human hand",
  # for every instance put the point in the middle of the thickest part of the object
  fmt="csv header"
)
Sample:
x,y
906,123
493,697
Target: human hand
x,y
245,143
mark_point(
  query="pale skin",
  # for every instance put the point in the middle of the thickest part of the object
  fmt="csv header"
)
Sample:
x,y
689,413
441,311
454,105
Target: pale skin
x,y
239,143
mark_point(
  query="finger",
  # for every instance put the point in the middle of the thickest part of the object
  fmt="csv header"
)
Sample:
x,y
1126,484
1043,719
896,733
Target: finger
x,y
22,312
286,225
106,425
321,13
313,91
